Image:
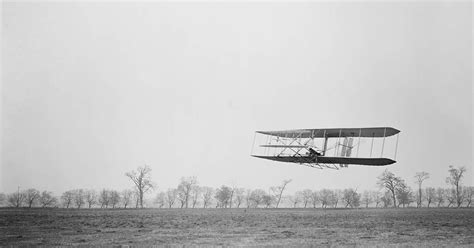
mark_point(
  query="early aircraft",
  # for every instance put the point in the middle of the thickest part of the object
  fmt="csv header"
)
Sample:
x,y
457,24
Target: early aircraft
x,y
300,146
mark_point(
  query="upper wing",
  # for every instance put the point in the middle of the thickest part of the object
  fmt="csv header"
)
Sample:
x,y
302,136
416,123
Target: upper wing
x,y
334,132
285,146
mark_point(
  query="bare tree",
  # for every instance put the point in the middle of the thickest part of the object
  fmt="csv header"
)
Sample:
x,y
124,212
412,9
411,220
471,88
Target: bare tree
x,y
78,197
355,199
450,196
207,193
256,197
47,199
267,200
314,198
389,181
136,198
104,198
91,197
325,197
2,198
223,195
127,196
239,196
386,199
67,198
195,193
377,197
420,177
430,195
415,198
248,196
15,199
181,198
336,196
469,195
31,197
295,199
367,198
455,177
278,191
306,196
171,195
141,178
440,196
114,198
351,198
160,199
404,194
184,190
231,197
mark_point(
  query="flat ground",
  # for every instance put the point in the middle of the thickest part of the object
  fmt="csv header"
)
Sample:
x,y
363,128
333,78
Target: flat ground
x,y
238,227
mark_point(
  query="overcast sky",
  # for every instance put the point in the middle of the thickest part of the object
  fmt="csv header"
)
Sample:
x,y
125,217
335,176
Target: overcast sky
x,y
93,90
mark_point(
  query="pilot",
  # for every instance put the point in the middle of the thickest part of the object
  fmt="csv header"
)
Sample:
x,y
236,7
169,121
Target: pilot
x,y
312,152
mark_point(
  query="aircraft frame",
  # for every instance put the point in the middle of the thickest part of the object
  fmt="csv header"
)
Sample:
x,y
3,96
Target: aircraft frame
x,y
299,146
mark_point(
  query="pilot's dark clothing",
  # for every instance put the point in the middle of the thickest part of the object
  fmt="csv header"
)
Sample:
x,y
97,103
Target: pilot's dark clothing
x,y
312,152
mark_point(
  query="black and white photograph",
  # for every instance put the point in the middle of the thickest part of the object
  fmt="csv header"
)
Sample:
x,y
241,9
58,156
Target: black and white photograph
x,y
245,123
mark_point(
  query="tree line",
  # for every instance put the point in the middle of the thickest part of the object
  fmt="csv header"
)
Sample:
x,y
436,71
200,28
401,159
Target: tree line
x,y
393,192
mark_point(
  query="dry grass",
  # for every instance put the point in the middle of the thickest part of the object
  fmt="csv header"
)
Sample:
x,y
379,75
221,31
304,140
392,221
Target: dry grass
x,y
238,227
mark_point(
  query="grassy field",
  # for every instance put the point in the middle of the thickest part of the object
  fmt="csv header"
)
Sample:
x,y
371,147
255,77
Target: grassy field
x,y
229,227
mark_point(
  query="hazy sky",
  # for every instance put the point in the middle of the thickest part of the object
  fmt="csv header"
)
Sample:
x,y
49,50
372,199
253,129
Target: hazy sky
x,y
93,90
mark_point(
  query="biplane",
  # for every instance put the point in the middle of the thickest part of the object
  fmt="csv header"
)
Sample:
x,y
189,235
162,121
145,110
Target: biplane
x,y
328,147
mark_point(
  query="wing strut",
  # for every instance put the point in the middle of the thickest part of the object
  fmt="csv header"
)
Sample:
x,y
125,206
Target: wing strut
x,y
325,145
396,147
372,145
337,147
383,143
358,143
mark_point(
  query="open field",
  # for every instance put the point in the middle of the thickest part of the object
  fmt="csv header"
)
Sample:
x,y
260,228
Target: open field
x,y
251,227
